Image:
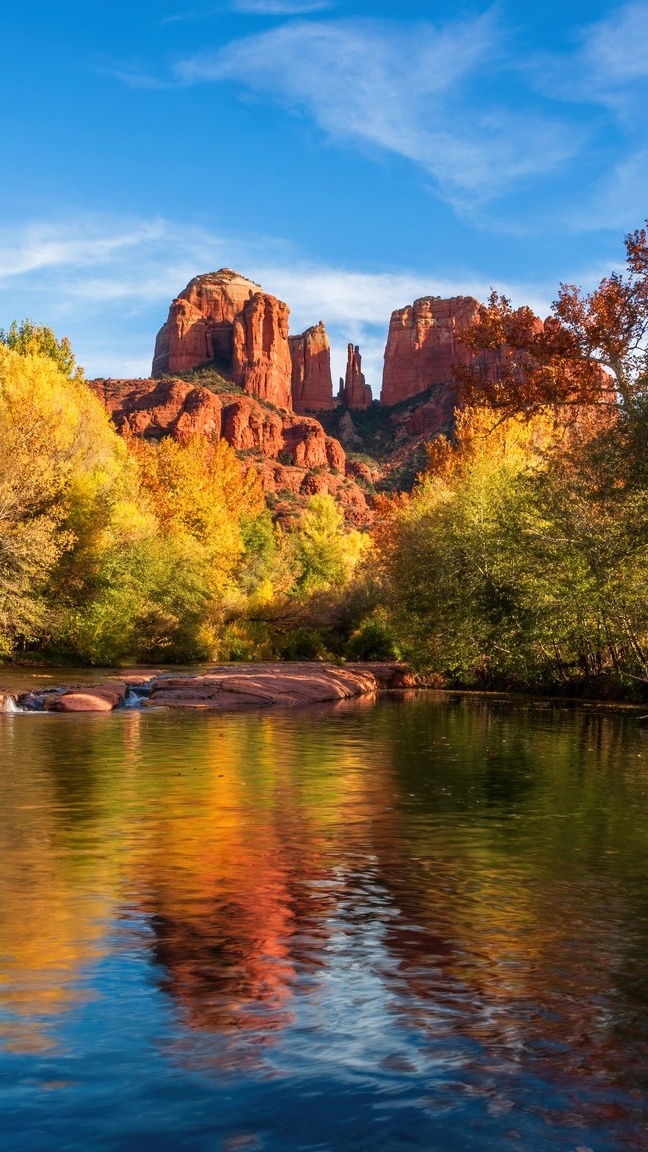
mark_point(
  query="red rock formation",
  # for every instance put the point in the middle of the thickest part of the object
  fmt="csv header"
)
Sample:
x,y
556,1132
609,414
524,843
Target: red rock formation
x,y
261,363
246,425
312,385
422,346
355,392
199,326
281,479
223,319
292,444
156,408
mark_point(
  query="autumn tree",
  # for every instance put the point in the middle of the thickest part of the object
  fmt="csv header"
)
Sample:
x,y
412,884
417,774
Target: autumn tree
x,y
58,452
517,561
28,338
592,349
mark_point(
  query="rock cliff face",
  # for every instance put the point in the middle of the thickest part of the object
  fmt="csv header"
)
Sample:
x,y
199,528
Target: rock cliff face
x,y
261,363
157,408
354,390
223,319
422,346
312,384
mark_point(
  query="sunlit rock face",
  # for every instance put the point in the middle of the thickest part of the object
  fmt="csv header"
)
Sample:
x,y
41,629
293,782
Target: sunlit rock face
x,y
354,391
223,319
312,384
157,408
423,346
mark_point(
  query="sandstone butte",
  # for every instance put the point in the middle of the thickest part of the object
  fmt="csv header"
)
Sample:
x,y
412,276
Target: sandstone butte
x,y
423,346
224,688
225,320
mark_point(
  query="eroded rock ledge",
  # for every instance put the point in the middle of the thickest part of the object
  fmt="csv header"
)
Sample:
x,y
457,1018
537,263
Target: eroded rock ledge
x,y
224,688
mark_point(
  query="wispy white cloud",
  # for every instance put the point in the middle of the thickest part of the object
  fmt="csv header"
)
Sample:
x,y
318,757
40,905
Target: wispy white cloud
x,y
280,7
251,7
608,64
615,51
42,246
401,88
107,284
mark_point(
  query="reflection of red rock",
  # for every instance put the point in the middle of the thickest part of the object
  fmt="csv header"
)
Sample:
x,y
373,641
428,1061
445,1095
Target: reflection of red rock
x,y
312,386
423,346
355,392
223,319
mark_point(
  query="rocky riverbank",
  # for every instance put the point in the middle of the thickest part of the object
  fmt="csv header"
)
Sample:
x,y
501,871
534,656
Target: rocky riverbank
x,y
224,688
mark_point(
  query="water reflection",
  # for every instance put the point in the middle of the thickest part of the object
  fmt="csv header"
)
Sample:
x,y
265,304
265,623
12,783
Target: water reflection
x,y
441,901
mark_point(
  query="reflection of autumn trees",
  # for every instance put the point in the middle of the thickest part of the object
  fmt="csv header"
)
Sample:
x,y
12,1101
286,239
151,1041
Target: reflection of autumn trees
x,y
483,860
53,905
246,922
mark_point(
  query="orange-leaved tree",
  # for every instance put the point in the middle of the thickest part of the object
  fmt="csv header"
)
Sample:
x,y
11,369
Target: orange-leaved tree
x,y
592,349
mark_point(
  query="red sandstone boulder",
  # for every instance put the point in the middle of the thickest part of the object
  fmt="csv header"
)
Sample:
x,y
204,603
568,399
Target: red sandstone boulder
x,y
312,385
263,686
247,424
97,698
307,445
359,470
423,346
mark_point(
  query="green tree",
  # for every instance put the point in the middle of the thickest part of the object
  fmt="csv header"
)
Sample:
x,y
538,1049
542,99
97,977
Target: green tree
x,y
29,339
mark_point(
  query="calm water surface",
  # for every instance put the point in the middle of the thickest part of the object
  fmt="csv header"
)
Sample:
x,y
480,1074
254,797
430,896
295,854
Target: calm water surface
x,y
420,923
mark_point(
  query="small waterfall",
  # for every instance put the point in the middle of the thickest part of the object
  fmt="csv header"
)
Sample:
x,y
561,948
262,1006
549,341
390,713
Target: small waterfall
x,y
8,704
136,695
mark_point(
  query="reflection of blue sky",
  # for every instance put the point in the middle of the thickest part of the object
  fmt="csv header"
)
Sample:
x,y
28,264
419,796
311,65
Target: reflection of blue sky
x,y
347,159
350,1071
445,974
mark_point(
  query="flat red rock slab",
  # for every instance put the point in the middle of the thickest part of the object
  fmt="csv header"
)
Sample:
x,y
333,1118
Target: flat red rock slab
x,y
262,686
98,698
218,702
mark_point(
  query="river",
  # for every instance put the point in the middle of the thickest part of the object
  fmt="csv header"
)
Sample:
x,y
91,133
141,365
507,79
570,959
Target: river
x,y
416,922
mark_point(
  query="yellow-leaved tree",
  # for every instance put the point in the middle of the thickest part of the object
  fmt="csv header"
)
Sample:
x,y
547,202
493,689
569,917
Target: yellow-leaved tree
x,y
204,502
58,452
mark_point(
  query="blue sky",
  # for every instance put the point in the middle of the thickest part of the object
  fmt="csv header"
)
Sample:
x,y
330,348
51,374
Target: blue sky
x,y
348,156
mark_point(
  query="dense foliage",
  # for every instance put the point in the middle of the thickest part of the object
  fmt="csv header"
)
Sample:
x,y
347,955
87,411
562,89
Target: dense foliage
x,y
521,557
114,550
